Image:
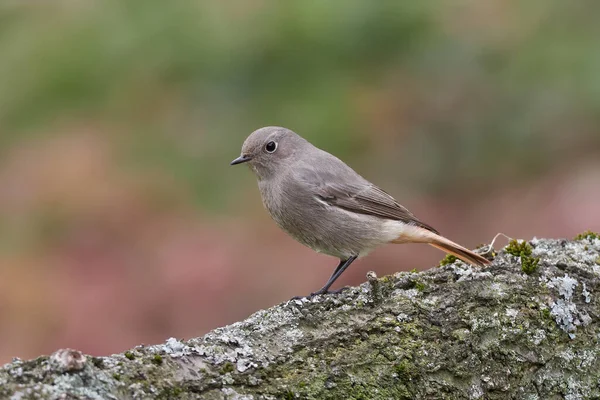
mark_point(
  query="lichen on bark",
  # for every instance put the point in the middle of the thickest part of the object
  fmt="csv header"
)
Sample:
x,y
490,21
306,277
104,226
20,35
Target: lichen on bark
x,y
454,331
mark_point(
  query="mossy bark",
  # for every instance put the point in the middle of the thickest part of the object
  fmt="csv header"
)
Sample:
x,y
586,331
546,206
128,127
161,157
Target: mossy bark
x,y
450,332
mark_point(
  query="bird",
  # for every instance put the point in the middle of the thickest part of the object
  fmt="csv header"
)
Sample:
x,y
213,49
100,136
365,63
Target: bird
x,y
327,206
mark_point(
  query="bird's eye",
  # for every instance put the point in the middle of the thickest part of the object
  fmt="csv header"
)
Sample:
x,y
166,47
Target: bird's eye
x,y
271,147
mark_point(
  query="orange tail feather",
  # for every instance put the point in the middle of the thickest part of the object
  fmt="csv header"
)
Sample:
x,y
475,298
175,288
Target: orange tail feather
x,y
421,235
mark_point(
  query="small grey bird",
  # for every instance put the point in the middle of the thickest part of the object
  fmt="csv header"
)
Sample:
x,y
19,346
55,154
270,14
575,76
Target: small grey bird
x,y
325,205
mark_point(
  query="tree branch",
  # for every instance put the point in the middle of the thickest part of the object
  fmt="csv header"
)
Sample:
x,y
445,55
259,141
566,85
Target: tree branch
x,y
450,332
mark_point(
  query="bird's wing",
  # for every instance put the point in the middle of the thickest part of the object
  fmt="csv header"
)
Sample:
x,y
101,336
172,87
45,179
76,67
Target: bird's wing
x,y
354,193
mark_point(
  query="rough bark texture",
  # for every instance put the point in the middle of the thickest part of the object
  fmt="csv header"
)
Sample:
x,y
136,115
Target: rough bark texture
x,y
450,332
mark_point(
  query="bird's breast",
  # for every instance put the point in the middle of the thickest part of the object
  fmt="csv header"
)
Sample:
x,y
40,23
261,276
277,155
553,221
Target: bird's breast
x,y
297,213
291,210
317,224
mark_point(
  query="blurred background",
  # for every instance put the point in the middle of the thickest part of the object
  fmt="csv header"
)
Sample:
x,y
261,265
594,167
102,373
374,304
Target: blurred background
x,y
121,221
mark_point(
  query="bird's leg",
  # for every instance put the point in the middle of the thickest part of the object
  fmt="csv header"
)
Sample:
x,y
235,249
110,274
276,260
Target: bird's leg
x,y
337,269
342,266
331,279
329,282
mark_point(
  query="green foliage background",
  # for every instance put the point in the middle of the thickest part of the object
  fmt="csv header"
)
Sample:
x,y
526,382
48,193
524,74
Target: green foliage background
x,y
169,73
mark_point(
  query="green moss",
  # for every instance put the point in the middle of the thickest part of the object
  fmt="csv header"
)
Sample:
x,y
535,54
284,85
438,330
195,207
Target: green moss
x,y
129,355
289,395
449,259
518,248
116,377
545,314
598,260
157,359
529,265
226,368
405,370
391,353
414,271
420,286
587,235
523,250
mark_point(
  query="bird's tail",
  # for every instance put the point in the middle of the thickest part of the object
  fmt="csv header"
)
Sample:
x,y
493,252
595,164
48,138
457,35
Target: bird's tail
x,y
446,245
457,250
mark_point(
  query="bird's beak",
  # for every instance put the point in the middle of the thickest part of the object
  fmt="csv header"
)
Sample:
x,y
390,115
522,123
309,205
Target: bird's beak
x,y
240,159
